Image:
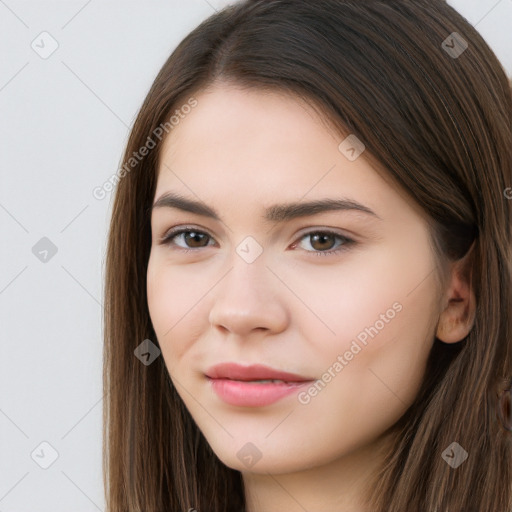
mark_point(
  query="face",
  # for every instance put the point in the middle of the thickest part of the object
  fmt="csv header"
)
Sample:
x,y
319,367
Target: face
x,y
342,298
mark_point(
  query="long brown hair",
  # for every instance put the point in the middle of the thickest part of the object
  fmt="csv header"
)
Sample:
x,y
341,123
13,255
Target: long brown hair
x,y
434,109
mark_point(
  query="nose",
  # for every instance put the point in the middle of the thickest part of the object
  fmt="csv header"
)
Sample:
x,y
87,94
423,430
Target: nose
x,y
249,298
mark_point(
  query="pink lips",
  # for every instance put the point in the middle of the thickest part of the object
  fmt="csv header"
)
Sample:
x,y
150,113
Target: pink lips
x,y
232,383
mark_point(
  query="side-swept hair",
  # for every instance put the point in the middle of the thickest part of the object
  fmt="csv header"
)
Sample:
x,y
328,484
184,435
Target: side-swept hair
x,y
438,119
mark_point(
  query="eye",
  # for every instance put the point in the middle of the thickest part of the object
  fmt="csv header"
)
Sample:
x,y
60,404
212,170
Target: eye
x,y
194,239
319,239
193,236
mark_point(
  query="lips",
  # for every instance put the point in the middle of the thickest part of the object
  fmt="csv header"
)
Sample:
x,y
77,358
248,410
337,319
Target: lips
x,y
253,386
255,372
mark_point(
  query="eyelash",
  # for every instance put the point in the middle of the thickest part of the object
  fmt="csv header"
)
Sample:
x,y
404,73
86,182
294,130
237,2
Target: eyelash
x,y
173,233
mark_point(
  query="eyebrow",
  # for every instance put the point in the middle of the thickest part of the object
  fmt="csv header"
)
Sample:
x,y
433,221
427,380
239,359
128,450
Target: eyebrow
x,y
275,213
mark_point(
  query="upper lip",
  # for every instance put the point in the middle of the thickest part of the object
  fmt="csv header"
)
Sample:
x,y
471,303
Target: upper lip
x,y
236,371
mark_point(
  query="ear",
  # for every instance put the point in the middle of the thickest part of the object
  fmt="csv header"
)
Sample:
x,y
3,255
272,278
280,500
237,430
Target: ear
x,y
459,304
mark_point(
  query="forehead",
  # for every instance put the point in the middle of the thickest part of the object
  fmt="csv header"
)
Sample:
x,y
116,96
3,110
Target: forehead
x,y
247,146
267,136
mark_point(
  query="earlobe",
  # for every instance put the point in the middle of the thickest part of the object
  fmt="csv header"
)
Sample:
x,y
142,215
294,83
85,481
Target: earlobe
x,y
458,317
457,320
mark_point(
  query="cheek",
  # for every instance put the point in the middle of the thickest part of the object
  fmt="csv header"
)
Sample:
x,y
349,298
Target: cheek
x,y
381,314
174,304
386,372
368,296
372,382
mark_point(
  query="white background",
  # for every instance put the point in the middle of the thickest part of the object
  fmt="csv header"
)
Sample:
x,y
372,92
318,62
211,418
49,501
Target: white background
x,y
64,122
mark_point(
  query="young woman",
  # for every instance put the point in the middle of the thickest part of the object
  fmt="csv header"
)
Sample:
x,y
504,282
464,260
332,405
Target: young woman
x,y
308,277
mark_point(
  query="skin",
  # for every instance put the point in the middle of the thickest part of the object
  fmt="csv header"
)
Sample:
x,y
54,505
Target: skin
x,y
240,151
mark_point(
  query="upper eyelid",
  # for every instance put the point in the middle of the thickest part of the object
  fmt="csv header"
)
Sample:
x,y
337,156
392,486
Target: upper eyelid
x,y
176,230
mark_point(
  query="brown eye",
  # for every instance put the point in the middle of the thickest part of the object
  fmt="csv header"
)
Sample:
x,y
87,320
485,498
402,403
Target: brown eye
x,y
191,238
323,243
194,238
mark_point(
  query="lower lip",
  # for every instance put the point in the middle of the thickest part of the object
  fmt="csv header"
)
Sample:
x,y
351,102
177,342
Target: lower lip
x,y
250,394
